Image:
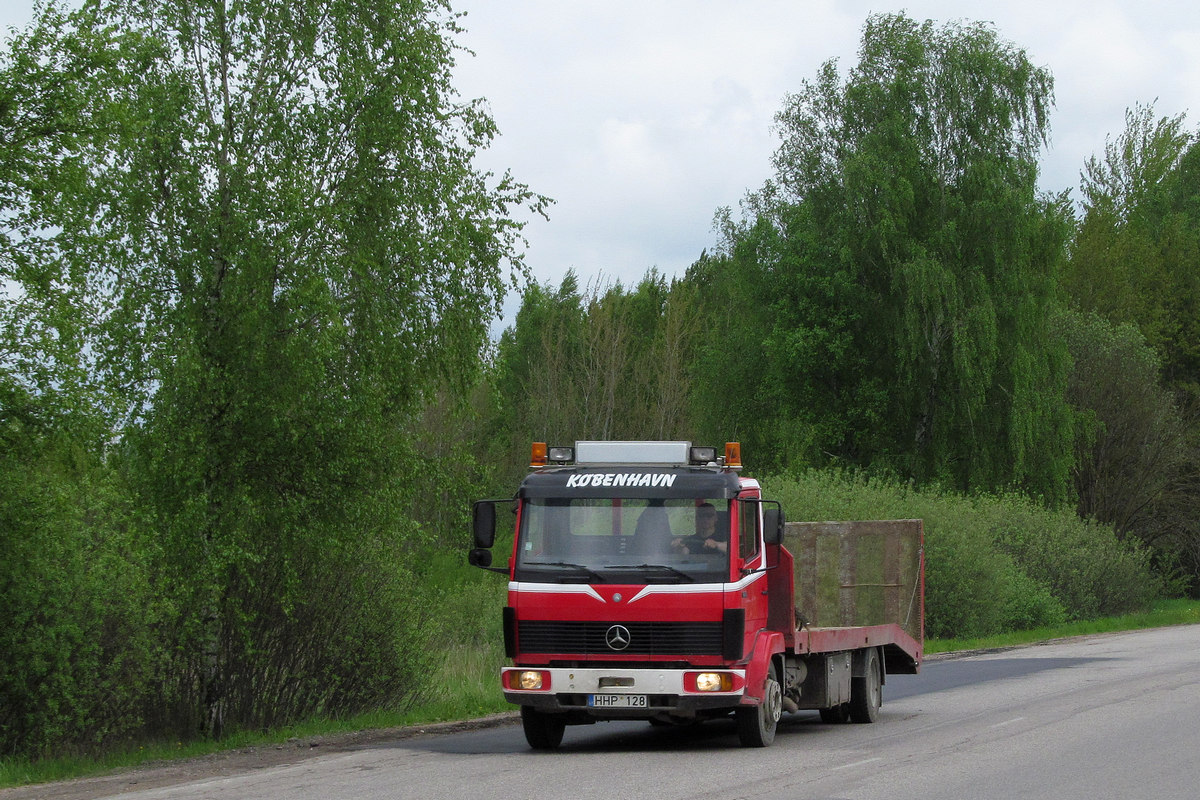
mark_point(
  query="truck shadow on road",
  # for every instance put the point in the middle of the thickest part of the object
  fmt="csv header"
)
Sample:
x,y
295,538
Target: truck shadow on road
x,y
610,737
940,676
635,736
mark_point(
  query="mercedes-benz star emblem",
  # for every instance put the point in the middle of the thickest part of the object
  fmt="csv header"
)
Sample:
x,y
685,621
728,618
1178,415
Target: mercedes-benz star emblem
x,y
617,637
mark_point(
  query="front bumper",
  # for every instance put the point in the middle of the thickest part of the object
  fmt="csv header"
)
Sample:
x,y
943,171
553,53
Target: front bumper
x,y
666,691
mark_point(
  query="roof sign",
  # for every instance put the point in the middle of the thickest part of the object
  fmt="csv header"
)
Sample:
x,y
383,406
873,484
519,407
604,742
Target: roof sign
x,y
662,453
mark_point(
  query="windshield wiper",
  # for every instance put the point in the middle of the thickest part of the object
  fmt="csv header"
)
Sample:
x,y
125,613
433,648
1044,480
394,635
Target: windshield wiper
x,y
667,568
580,569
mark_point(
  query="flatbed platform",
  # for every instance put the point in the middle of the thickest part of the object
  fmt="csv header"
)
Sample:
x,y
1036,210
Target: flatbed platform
x,y
902,653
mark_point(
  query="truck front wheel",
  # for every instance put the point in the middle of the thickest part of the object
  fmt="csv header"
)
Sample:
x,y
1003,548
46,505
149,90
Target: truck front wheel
x,y
542,731
756,724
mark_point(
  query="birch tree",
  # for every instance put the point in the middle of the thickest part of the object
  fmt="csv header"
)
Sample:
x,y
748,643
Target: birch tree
x,y
282,245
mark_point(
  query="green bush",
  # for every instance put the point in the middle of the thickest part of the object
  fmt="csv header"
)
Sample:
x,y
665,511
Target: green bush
x,y
468,633
76,650
974,589
1083,564
993,563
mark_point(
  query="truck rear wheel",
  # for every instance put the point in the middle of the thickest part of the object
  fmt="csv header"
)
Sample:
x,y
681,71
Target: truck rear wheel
x,y
542,731
756,724
866,693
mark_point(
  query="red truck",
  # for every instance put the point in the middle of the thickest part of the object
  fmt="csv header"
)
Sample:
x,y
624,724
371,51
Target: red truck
x,y
650,580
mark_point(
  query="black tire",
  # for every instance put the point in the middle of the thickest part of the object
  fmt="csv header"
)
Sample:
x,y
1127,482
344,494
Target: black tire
x,y
866,693
836,715
756,724
542,731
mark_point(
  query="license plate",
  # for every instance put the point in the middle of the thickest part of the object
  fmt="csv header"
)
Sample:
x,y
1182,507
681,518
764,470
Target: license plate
x,y
617,700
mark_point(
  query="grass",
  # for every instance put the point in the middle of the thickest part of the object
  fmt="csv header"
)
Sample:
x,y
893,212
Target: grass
x,y
468,690
21,771
1165,612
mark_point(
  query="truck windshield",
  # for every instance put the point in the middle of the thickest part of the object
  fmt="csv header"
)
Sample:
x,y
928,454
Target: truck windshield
x,y
624,540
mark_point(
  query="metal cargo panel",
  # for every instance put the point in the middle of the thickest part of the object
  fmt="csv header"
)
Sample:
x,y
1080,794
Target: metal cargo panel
x,y
859,573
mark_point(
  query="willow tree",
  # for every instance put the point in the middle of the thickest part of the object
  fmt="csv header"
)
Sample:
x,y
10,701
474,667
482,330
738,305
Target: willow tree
x,y
917,261
283,244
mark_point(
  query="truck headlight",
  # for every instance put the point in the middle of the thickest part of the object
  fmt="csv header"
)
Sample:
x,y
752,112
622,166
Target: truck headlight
x,y
528,680
713,682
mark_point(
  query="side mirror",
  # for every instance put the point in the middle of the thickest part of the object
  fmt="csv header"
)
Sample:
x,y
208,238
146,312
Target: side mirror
x,y
483,515
480,557
773,524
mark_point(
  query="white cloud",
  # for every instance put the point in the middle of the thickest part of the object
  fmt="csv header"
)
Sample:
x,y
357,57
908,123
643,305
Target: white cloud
x,y
1119,58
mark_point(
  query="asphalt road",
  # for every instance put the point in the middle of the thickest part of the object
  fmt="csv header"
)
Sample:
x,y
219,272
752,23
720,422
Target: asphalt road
x,y
1113,716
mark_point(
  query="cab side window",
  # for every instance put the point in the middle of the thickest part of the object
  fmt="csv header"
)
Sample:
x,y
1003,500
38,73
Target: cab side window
x,y
747,529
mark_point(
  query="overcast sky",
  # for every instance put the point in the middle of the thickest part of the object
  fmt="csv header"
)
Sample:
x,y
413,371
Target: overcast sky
x,y
642,117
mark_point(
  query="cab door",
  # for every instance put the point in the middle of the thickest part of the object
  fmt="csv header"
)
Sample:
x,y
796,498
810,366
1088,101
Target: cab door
x,y
747,561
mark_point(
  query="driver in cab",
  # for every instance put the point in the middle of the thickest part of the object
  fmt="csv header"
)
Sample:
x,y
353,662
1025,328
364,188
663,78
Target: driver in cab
x,y
708,540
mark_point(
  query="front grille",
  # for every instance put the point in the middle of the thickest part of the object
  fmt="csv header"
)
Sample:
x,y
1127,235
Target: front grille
x,y
645,638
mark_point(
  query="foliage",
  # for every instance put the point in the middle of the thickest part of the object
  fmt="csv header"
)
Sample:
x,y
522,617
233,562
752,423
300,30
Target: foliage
x,y
51,115
76,611
601,363
909,266
450,442
729,399
1134,255
1133,263
535,359
301,247
993,563
269,249
1177,208
1134,165
1131,448
467,635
